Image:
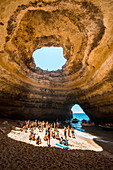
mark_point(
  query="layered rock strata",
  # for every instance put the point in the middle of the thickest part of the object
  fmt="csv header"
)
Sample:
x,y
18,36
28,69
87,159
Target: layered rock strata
x,y
84,29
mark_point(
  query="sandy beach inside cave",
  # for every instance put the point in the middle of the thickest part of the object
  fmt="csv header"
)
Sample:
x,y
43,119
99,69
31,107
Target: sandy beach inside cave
x,y
17,152
81,141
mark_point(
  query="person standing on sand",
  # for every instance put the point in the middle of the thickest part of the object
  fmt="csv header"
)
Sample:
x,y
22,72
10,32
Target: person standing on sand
x,y
48,135
42,128
38,140
46,124
54,125
69,131
33,138
65,132
51,126
72,131
46,131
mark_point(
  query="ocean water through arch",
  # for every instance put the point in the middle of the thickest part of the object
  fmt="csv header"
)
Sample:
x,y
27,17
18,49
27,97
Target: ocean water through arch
x,y
79,114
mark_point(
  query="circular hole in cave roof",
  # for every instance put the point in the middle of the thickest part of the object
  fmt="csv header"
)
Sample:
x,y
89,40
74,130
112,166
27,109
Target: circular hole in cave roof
x,y
49,58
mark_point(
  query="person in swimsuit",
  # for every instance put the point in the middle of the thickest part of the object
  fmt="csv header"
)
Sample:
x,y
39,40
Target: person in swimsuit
x,y
30,137
48,135
69,131
38,140
65,133
53,135
61,140
33,138
66,142
72,131
45,138
42,126
54,125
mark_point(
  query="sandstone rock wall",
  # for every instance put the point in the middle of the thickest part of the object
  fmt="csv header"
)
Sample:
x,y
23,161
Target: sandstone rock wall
x,y
84,29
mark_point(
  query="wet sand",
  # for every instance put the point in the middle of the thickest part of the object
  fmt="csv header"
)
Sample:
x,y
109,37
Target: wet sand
x,y
20,155
101,133
104,137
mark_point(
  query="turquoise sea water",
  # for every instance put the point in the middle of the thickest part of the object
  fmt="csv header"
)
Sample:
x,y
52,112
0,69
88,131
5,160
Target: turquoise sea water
x,y
80,117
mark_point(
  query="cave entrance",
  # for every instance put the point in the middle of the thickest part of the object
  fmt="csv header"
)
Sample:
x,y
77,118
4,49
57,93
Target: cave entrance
x,y
77,109
49,58
79,114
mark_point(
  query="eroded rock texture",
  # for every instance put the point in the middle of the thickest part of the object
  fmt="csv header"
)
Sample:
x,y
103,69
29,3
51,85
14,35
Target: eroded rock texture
x,y
84,29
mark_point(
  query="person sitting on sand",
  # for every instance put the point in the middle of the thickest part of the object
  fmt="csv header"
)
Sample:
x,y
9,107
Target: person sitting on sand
x,y
72,131
57,135
32,132
38,140
53,135
30,137
61,140
45,138
66,142
33,138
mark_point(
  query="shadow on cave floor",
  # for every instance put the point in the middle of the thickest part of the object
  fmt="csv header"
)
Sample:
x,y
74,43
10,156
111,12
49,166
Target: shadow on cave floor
x,y
107,146
100,133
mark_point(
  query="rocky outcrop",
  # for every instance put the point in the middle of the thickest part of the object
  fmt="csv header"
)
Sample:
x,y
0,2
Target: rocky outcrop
x,y
84,30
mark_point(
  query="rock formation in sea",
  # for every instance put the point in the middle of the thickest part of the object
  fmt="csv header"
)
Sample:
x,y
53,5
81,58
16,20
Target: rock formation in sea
x,y
84,29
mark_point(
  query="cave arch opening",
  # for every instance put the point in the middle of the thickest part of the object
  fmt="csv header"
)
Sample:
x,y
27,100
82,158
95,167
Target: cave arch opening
x,y
79,114
49,58
76,108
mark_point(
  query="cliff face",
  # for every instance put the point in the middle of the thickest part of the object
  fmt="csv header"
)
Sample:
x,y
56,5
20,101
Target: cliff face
x,y
84,29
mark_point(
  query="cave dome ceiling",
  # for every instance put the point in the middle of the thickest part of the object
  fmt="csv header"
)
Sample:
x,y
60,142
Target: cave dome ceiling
x,y
84,30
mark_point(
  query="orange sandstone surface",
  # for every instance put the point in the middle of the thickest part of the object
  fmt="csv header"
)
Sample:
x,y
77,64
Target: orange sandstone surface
x,y
84,29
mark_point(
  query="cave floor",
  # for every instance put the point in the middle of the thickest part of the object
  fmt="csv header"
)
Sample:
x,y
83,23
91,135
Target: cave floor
x,y
20,155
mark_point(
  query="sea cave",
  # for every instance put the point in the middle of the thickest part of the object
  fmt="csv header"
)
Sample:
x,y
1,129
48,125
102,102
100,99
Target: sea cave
x,y
84,30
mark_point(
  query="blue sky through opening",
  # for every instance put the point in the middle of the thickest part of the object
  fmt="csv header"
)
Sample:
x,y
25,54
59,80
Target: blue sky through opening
x,y
49,58
77,109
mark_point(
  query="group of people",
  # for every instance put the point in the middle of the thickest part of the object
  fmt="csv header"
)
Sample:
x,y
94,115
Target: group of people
x,y
69,134
51,131
108,124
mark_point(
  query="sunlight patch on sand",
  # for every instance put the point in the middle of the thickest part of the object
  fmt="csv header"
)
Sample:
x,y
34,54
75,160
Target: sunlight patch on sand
x,y
82,141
